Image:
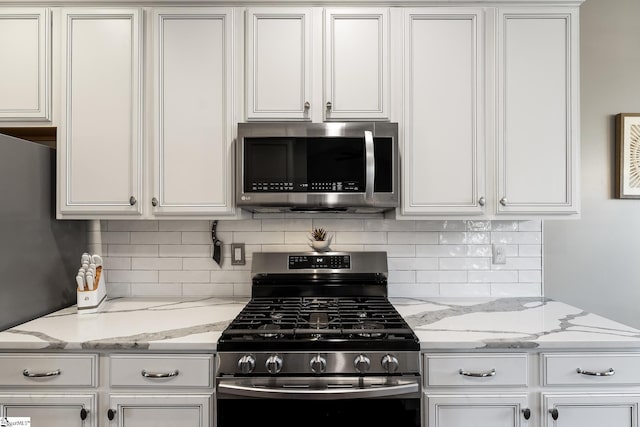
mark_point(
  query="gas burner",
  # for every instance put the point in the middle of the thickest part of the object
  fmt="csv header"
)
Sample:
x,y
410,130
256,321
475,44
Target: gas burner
x,y
269,330
370,329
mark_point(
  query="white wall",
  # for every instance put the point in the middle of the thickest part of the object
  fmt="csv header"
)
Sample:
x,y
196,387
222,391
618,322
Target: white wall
x,y
594,262
426,258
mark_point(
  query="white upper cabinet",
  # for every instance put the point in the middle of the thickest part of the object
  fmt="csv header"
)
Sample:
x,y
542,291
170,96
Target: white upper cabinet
x,y
193,118
278,63
356,52
100,136
290,54
443,155
537,99
25,74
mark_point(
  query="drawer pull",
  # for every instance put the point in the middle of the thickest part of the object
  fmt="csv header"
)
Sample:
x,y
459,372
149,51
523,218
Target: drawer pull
x,y
146,374
491,373
609,373
28,374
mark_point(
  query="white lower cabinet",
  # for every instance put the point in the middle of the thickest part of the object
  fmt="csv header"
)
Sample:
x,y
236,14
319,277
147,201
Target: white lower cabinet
x,y
53,409
484,390
590,410
160,410
480,410
109,390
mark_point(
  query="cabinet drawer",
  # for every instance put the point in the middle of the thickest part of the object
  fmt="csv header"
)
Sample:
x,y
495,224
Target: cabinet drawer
x,y
591,368
48,370
161,370
480,370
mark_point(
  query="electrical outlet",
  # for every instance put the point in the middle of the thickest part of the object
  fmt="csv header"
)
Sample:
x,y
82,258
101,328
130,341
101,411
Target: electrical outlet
x,y
499,254
237,254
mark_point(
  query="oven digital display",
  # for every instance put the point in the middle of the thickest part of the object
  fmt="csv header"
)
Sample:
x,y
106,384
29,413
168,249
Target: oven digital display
x,y
333,262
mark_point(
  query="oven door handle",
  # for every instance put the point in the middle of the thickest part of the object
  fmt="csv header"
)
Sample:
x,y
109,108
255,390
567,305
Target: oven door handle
x,y
318,394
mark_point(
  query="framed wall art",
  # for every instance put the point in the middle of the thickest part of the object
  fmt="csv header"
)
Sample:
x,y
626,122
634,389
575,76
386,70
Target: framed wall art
x,y
628,156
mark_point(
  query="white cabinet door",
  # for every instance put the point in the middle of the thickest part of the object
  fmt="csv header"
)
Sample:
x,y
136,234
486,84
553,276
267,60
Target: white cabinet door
x,y
25,75
100,137
538,119
52,410
193,111
139,410
443,154
278,63
356,55
466,410
591,410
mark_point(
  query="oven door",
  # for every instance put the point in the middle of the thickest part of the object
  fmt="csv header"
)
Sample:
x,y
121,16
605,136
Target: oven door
x,y
318,401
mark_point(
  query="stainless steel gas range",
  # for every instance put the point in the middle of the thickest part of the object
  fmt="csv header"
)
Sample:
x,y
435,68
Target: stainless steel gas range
x,y
320,340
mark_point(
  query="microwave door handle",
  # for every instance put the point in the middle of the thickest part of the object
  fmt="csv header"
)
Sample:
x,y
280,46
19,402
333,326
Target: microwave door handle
x,y
370,161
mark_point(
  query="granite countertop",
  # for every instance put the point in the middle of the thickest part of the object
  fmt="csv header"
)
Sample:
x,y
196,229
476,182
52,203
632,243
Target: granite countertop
x,y
192,324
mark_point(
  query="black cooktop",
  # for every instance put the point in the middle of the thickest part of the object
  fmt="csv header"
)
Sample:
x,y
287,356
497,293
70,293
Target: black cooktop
x,y
318,323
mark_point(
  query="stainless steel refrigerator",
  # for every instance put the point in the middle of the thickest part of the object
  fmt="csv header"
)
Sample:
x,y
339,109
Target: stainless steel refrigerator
x,y
39,255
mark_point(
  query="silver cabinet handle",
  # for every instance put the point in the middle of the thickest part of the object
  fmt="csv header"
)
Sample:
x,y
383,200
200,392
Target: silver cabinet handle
x,y
132,200
154,202
491,373
329,106
503,201
609,373
481,201
370,161
307,106
147,374
28,374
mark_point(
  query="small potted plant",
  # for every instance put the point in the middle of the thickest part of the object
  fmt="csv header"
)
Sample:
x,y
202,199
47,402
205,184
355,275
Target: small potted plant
x,y
319,240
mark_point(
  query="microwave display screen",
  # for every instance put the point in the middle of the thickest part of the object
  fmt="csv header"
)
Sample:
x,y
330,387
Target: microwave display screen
x,y
314,164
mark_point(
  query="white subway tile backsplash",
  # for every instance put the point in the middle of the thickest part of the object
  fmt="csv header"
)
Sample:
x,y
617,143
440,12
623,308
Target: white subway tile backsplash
x,y
130,276
187,251
426,258
132,250
466,238
388,225
411,237
368,237
191,276
493,276
156,263
441,276
521,237
464,264
156,289
184,225
117,263
440,225
157,237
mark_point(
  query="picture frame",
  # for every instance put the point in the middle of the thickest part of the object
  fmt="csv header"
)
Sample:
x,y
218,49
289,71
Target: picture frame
x,y
628,156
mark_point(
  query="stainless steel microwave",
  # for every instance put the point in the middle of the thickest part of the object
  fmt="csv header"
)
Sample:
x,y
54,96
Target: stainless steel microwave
x,y
317,167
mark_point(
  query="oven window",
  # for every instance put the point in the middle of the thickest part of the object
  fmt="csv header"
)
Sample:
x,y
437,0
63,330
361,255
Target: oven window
x,y
318,413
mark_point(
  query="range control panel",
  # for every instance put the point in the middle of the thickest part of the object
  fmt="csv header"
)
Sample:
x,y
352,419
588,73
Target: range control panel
x,y
333,262
288,186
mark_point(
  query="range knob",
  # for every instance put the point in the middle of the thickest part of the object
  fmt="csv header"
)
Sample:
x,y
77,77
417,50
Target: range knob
x,y
318,364
273,364
389,363
247,364
362,363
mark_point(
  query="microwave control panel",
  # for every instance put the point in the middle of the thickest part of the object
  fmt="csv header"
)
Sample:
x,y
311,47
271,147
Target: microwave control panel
x,y
324,187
